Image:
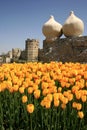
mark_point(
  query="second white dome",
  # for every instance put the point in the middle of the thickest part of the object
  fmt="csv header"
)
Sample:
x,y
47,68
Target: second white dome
x,y
73,26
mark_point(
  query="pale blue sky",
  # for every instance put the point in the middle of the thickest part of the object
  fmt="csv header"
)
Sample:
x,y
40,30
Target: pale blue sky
x,y
22,19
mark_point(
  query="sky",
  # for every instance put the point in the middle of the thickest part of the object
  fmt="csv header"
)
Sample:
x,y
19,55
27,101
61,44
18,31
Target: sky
x,y
23,19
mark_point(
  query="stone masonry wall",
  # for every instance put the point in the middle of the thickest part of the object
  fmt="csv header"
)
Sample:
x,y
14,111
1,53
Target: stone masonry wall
x,y
31,50
65,50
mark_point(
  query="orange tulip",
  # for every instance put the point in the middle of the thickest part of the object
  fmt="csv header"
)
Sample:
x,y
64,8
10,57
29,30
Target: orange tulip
x,y
30,90
44,85
11,90
56,96
71,81
78,77
37,81
24,99
30,108
79,106
37,93
63,106
35,87
83,98
56,103
21,90
86,84
85,75
50,97
74,105
42,103
45,92
65,100
59,89
15,88
63,84
80,114
48,104
78,95
70,97
68,85
39,73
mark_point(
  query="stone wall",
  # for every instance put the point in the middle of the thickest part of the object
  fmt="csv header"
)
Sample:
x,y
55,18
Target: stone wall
x,y
65,50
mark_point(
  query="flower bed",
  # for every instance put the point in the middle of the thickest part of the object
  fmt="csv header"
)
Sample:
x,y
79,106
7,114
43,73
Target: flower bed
x,y
49,96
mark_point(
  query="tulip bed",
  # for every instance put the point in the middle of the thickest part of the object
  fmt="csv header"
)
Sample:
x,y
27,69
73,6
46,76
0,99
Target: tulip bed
x,y
49,96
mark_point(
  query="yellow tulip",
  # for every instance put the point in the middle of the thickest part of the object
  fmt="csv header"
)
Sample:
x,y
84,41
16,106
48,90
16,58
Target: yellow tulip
x,y
84,98
35,87
48,104
70,97
56,96
74,104
45,92
24,99
80,114
59,89
63,106
79,106
50,97
56,103
37,93
21,90
15,88
42,103
30,108
30,90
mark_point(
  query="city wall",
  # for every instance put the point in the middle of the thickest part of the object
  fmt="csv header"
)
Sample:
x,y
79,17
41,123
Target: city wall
x,y
65,49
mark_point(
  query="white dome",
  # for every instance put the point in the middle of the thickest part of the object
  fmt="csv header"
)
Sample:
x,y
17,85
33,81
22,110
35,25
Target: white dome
x,y
73,26
52,29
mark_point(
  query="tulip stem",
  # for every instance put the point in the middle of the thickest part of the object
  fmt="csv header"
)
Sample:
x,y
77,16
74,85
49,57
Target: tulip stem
x,y
31,122
1,115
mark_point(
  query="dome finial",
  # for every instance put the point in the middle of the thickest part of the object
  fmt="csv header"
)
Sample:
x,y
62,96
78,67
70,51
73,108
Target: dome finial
x,y
71,12
51,16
